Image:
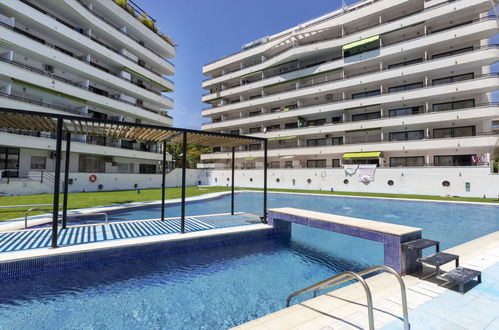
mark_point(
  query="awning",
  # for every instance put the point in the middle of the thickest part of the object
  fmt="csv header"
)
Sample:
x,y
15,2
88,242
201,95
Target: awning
x,y
166,89
251,158
359,155
280,138
360,42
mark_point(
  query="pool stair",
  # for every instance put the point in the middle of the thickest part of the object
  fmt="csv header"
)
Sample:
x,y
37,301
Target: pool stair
x,y
459,275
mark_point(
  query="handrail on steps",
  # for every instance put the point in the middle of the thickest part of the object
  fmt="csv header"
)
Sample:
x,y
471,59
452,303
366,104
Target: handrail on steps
x,y
347,276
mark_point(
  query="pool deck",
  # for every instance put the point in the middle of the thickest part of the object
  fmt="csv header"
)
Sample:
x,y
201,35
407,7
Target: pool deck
x,y
431,306
33,243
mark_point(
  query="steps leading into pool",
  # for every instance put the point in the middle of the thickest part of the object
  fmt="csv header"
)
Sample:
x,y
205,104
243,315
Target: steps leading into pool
x,y
74,235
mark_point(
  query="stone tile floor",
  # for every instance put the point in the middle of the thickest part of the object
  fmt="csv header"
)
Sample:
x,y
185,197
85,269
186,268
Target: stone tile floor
x,y
477,309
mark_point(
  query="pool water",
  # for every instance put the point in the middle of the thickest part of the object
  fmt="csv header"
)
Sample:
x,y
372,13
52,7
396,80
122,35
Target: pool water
x,y
222,287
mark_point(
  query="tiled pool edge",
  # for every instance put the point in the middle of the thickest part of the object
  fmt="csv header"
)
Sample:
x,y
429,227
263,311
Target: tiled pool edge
x,y
73,257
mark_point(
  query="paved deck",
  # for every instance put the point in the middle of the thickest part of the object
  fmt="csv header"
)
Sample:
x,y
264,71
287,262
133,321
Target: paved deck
x,y
75,235
431,306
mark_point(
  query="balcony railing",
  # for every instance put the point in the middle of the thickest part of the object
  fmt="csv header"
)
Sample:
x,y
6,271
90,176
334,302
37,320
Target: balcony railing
x,y
296,130
319,41
340,99
52,106
93,38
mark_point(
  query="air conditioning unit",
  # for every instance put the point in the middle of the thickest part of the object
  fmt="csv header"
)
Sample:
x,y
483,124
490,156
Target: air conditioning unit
x,y
109,159
48,68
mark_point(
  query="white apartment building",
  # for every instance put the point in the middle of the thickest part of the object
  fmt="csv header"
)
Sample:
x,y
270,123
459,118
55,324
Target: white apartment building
x,y
99,59
397,83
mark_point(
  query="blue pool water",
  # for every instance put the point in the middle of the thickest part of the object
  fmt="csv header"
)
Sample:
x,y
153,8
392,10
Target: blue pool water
x,y
222,287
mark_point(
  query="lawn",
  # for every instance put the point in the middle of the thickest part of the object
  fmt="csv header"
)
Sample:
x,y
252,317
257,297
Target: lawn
x,y
89,199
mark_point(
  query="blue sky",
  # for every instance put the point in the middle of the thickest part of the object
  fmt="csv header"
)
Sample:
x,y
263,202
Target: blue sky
x,y
207,30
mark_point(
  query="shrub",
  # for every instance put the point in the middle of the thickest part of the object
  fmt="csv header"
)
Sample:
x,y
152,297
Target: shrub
x,y
144,18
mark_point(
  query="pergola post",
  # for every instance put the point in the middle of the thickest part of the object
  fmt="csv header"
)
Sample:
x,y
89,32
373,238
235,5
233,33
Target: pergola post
x,y
163,183
66,179
184,166
232,181
57,178
265,161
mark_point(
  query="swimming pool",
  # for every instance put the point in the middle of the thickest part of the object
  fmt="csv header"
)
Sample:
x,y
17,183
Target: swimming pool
x,y
226,286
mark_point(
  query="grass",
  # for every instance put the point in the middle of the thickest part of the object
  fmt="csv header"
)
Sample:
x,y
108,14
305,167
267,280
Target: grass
x,y
90,199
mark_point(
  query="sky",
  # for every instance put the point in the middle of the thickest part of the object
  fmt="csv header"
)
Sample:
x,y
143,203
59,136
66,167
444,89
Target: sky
x,y
208,30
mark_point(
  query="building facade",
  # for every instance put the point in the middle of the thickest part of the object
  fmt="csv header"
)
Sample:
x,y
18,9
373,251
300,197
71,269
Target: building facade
x,y
396,83
98,59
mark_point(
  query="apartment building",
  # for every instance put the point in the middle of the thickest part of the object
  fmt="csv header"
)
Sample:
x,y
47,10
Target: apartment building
x,y
98,59
397,83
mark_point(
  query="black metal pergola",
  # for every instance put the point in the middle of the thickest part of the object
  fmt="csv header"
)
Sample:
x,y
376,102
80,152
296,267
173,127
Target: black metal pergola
x,y
66,125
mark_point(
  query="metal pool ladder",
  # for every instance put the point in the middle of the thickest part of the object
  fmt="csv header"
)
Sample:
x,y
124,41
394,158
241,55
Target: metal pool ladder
x,y
347,276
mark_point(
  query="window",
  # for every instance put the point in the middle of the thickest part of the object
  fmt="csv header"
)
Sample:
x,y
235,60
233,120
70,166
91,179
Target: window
x,y
366,116
366,94
454,105
450,27
454,160
452,52
147,169
38,162
273,127
291,125
453,132
236,132
255,113
217,149
316,122
257,146
405,87
216,120
337,140
316,142
402,64
316,163
274,164
407,161
405,111
337,120
91,164
125,168
255,129
405,136
336,163
125,144
452,79
288,164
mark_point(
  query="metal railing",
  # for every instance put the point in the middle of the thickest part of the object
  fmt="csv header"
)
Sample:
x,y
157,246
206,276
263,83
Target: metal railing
x,y
106,220
341,99
348,276
326,19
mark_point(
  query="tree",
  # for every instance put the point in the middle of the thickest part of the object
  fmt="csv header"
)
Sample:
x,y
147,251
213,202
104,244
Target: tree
x,y
194,152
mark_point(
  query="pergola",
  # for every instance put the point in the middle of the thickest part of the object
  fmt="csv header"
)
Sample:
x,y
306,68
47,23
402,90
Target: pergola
x,y
67,125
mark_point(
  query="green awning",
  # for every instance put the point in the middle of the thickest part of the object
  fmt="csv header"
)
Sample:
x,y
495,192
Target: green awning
x,y
360,155
49,91
165,89
360,42
280,138
5,42
251,158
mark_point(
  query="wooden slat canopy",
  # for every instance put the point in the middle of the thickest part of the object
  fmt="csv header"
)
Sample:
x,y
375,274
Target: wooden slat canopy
x,y
40,121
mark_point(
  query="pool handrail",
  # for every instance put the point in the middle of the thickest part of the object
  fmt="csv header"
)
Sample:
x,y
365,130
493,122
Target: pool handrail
x,y
342,278
349,276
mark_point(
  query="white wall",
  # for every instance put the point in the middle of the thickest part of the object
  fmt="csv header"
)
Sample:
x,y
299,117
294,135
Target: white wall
x,y
423,181
109,181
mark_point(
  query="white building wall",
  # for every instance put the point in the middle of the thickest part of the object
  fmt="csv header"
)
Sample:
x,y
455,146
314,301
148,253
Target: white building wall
x,y
109,181
420,181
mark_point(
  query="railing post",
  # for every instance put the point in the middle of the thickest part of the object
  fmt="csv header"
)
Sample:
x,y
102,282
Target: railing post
x,y
55,205
232,181
163,183
265,161
41,177
66,179
184,166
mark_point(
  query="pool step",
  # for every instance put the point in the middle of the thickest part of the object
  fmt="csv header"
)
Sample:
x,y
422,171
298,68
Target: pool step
x,y
459,275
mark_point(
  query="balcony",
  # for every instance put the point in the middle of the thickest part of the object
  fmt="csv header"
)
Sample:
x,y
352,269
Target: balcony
x,y
294,46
